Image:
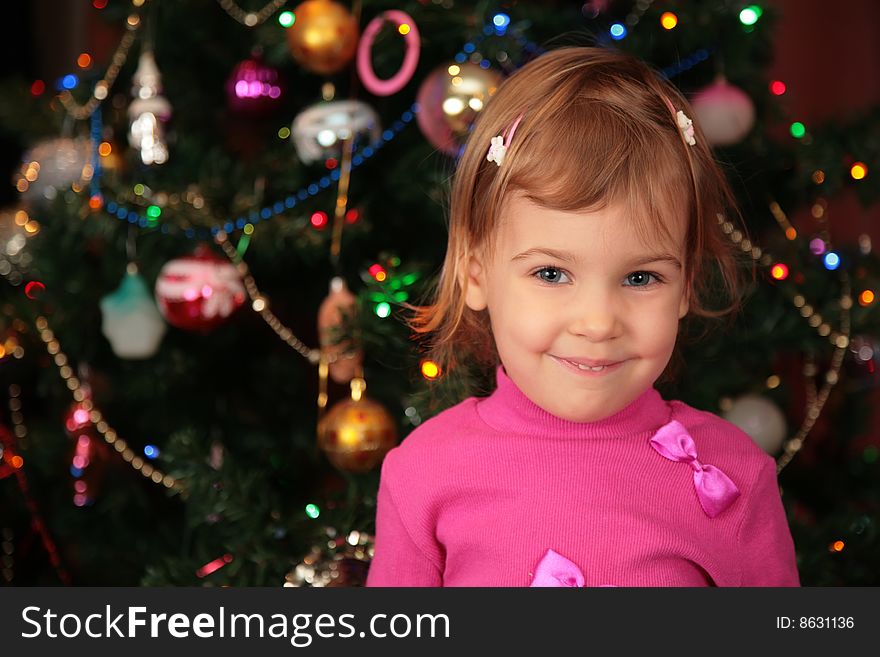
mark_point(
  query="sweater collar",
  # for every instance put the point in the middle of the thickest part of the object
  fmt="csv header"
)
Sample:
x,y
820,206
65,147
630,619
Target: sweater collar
x,y
508,409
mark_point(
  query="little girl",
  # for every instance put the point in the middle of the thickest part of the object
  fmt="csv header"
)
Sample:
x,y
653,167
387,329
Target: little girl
x,y
584,227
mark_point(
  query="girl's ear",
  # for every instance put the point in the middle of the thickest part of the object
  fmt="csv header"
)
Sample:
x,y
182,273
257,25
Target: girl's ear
x,y
684,305
474,282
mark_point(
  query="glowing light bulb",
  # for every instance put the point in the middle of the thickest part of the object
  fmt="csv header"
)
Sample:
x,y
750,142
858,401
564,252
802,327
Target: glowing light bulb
x,y
668,20
430,370
501,20
618,31
831,261
777,87
858,171
750,15
287,18
779,271
798,130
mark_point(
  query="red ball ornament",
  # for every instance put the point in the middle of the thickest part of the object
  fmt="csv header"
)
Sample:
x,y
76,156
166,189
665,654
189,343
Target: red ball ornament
x,y
254,88
199,292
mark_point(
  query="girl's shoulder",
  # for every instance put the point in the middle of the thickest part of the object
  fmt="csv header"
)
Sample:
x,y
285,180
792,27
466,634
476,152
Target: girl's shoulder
x,y
720,441
440,436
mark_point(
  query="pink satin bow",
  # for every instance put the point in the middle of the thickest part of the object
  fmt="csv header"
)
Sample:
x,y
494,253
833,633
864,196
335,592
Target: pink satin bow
x,y
556,570
715,490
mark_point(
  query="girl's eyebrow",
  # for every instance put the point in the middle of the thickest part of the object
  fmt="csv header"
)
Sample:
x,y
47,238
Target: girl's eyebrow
x,y
570,257
656,257
551,253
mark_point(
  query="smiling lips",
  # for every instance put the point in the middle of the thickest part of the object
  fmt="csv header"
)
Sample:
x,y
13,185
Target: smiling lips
x,y
589,364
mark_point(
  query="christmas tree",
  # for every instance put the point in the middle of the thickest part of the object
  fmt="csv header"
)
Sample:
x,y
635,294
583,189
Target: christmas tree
x,y
221,222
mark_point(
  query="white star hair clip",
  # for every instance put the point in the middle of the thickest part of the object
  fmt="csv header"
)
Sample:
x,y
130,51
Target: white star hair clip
x,y
499,145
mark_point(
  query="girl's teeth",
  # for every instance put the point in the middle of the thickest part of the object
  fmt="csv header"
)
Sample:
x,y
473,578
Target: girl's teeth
x,y
587,367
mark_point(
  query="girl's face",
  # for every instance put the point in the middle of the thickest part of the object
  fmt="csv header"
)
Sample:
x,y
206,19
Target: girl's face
x,y
579,286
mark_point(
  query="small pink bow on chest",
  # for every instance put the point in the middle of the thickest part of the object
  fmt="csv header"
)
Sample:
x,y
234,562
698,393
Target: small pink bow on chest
x,y
715,490
554,570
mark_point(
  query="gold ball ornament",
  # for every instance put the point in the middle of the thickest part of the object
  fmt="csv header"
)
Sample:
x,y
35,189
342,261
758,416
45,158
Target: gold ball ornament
x,y
450,98
324,36
356,435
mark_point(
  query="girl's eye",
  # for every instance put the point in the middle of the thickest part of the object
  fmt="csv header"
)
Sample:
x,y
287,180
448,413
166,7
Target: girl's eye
x,y
553,275
641,278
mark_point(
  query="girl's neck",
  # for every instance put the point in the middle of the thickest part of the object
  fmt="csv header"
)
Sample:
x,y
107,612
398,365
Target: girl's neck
x,y
509,410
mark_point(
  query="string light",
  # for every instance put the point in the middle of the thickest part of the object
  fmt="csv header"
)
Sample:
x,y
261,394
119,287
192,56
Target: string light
x,y
866,298
501,21
818,176
20,431
817,246
383,309
617,31
312,511
831,261
117,209
777,87
34,289
319,220
430,370
404,29
251,18
668,20
750,15
858,171
68,82
840,340
94,415
779,271
797,129
102,87
286,18
213,566
261,305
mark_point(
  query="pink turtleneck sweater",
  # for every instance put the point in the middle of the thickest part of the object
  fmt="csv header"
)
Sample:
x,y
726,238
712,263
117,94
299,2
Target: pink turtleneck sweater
x,y
478,494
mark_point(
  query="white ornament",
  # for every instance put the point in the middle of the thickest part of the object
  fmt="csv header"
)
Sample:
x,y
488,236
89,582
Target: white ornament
x,y
761,419
317,130
148,111
54,164
132,322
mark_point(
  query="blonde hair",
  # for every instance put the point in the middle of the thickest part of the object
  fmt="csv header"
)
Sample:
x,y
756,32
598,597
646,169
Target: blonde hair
x,y
597,130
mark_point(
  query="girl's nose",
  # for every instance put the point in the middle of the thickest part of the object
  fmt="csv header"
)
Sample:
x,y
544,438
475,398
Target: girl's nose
x,y
594,317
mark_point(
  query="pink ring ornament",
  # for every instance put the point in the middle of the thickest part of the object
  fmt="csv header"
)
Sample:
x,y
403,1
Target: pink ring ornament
x,y
395,83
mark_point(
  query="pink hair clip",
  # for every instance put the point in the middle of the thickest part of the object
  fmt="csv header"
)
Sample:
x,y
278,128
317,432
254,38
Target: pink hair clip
x,y
499,145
